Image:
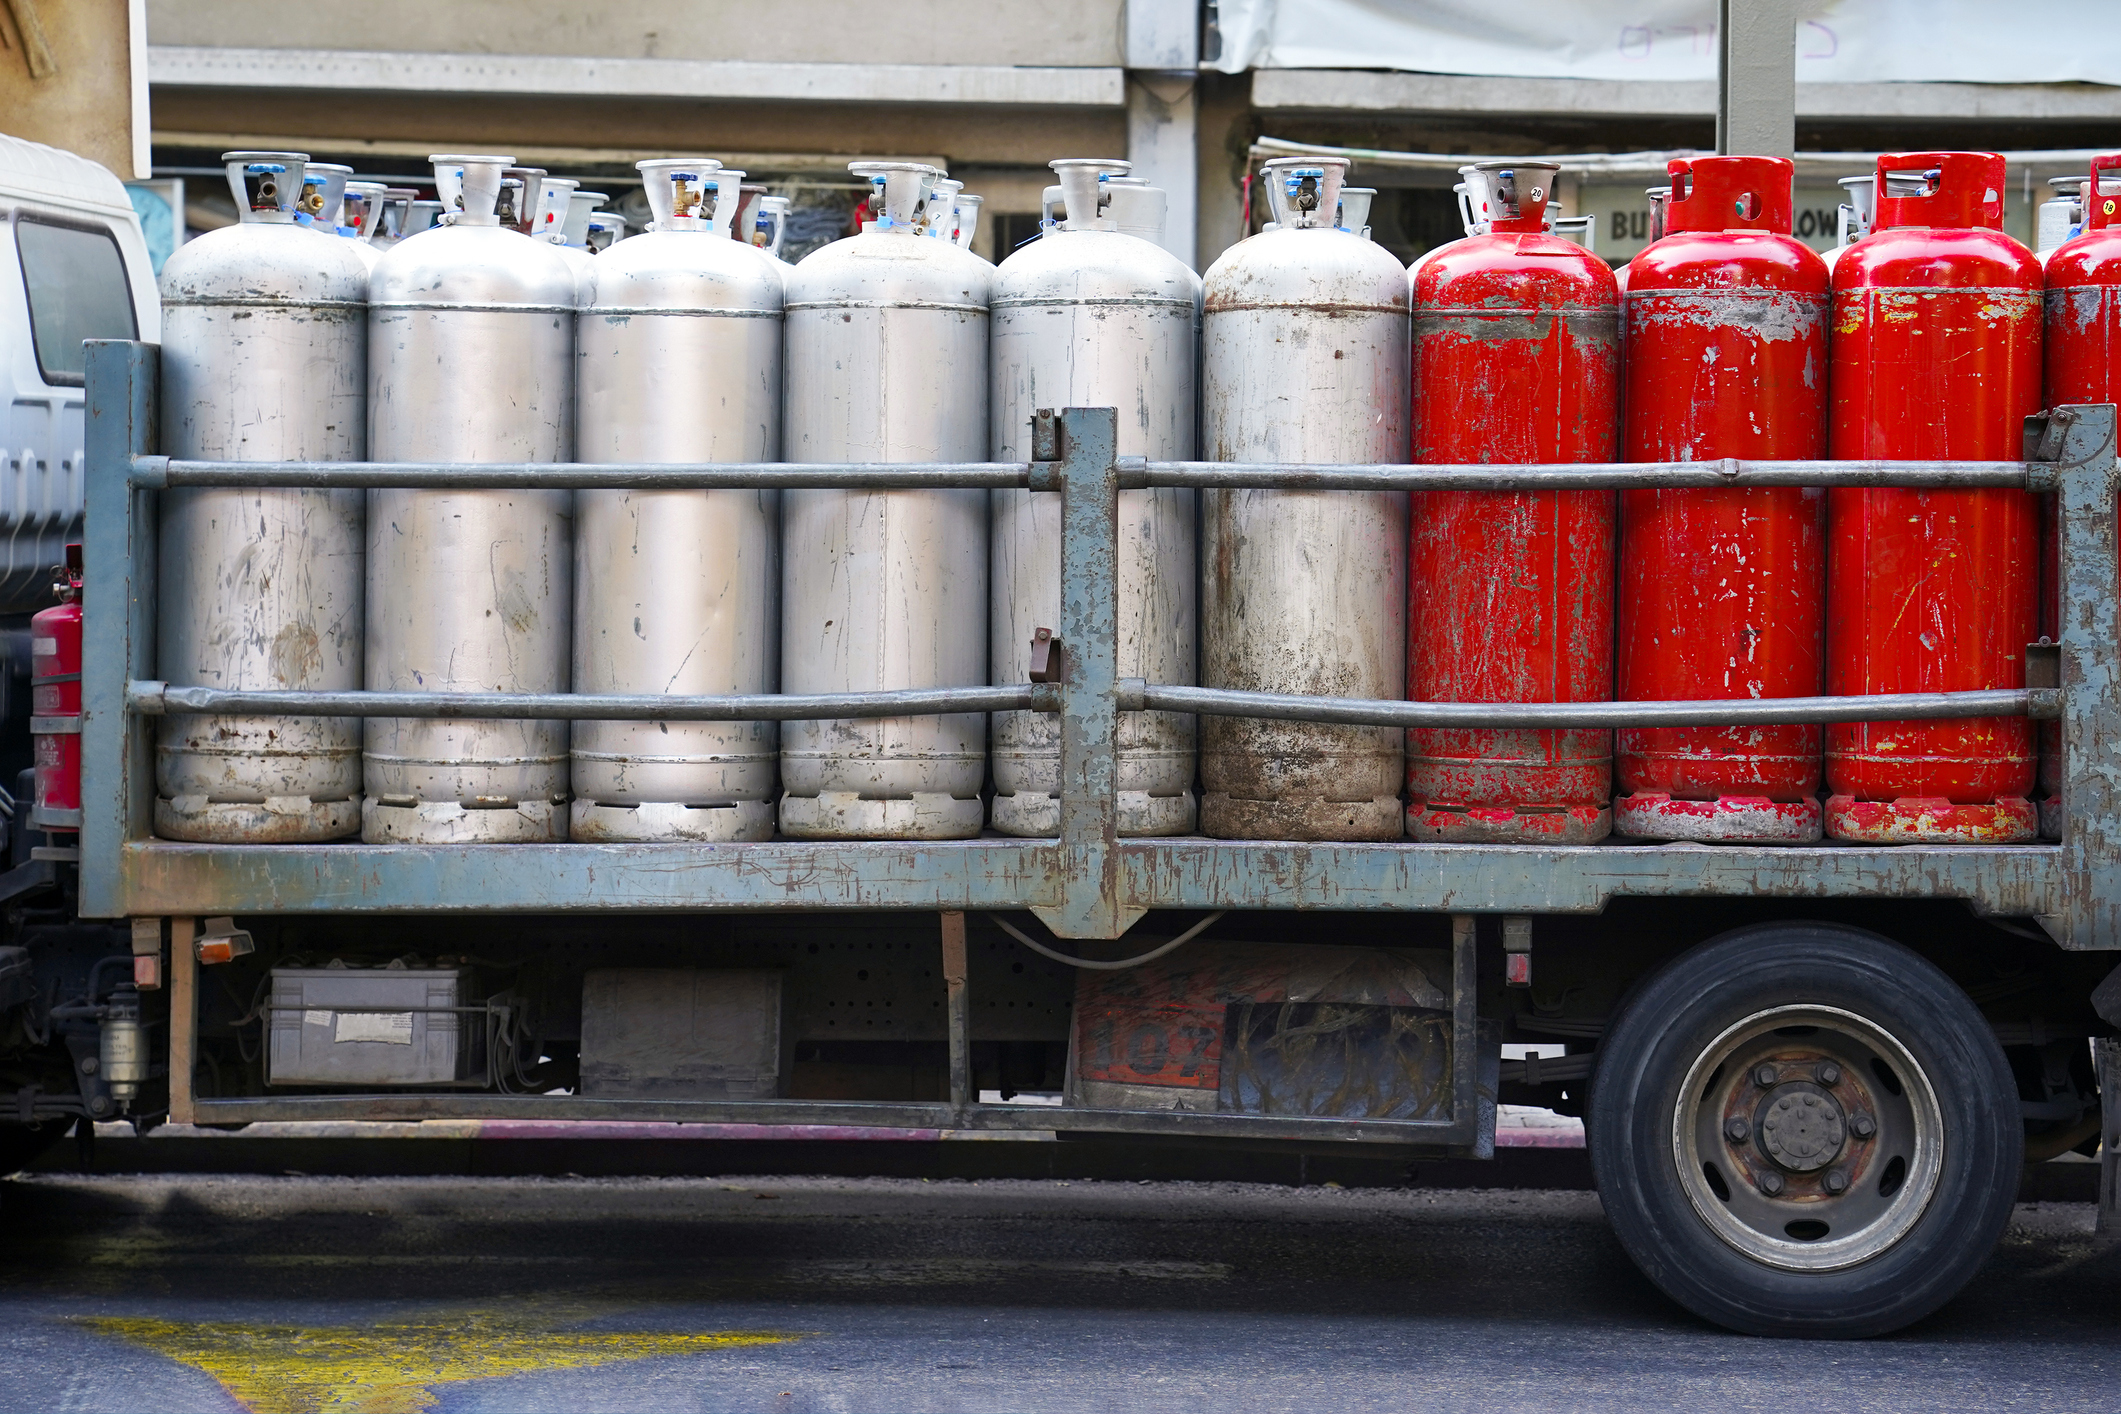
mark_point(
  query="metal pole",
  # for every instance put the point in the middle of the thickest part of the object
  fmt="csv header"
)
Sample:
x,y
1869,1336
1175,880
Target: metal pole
x,y
1728,472
183,1016
1756,78
956,967
159,472
156,699
1720,712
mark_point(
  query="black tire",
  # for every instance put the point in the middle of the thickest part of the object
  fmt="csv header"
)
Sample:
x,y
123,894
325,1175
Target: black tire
x,y
1946,1224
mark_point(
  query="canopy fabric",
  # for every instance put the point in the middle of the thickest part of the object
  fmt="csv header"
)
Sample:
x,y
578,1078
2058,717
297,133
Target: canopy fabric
x,y
1840,41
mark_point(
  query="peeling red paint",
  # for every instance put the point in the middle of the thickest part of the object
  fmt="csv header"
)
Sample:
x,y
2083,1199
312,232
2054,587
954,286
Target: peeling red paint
x,y
1936,356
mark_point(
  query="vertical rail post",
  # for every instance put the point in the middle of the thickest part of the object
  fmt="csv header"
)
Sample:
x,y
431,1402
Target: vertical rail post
x,y
958,1011
118,640
2079,442
184,1016
1465,1028
1091,906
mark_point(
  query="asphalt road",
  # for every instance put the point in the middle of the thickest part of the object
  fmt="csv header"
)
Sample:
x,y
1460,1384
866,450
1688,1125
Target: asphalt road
x,y
411,1294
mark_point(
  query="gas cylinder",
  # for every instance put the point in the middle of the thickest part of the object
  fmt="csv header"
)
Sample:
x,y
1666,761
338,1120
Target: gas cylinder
x,y
678,591
555,202
1355,210
55,704
1722,593
581,205
470,359
2083,365
421,216
1935,356
773,218
1853,218
1516,347
938,210
395,221
360,215
1303,359
2060,218
968,205
886,339
323,193
745,224
264,357
1094,317
603,230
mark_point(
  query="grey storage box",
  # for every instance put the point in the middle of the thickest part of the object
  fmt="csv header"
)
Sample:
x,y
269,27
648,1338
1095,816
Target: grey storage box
x,y
657,1034
336,1026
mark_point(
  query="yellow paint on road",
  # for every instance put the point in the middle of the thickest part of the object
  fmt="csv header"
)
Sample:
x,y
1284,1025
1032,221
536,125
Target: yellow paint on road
x,y
393,1367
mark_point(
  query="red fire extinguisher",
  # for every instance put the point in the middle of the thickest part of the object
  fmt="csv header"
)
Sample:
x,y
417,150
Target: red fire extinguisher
x,y
1516,360
2083,337
55,703
1936,356
1723,592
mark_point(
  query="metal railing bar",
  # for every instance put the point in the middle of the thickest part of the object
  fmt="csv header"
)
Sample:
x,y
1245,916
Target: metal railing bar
x,y
1602,476
155,699
1722,712
159,472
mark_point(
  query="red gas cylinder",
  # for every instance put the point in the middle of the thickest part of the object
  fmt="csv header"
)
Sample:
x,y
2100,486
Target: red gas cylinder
x,y
55,703
1723,592
2083,336
1516,359
1936,356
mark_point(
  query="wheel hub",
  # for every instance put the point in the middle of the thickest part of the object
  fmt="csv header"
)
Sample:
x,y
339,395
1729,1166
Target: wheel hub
x,y
1801,1126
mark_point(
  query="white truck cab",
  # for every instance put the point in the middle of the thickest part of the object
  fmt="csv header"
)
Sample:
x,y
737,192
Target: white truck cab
x,y
73,266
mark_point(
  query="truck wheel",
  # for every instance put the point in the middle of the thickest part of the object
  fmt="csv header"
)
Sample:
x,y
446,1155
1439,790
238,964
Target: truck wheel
x,y
1805,1130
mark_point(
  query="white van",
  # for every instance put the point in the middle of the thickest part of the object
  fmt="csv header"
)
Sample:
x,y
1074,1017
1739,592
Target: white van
x,y
73,266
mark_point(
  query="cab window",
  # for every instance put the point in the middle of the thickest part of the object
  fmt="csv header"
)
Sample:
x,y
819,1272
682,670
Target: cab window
x,y
75,279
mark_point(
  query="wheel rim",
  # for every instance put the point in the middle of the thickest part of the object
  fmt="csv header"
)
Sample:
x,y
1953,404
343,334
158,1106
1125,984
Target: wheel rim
x,y
1769,1134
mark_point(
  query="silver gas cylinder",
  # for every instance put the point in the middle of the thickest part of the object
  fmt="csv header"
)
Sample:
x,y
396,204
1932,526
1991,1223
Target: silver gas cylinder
x,y
773,217
395,222
581,205
549,224
968,205
421,216
886,362
938,213
2061,217
603,230
471,359
1094,317
678,591
1355,210
1853,220
323,192
1304,358
264,347
360,216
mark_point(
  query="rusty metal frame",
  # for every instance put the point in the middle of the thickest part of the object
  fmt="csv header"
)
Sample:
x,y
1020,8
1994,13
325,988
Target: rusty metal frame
x,y
1087,883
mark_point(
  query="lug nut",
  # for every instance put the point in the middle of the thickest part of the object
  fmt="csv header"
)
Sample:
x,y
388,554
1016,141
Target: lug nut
x,y
1836,1181
1763,1075
1829,1073
1771,1183
1862,1126
1736,1129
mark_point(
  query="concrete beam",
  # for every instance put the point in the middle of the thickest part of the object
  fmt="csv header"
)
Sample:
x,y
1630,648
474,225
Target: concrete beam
x,y
1451,95
527,75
